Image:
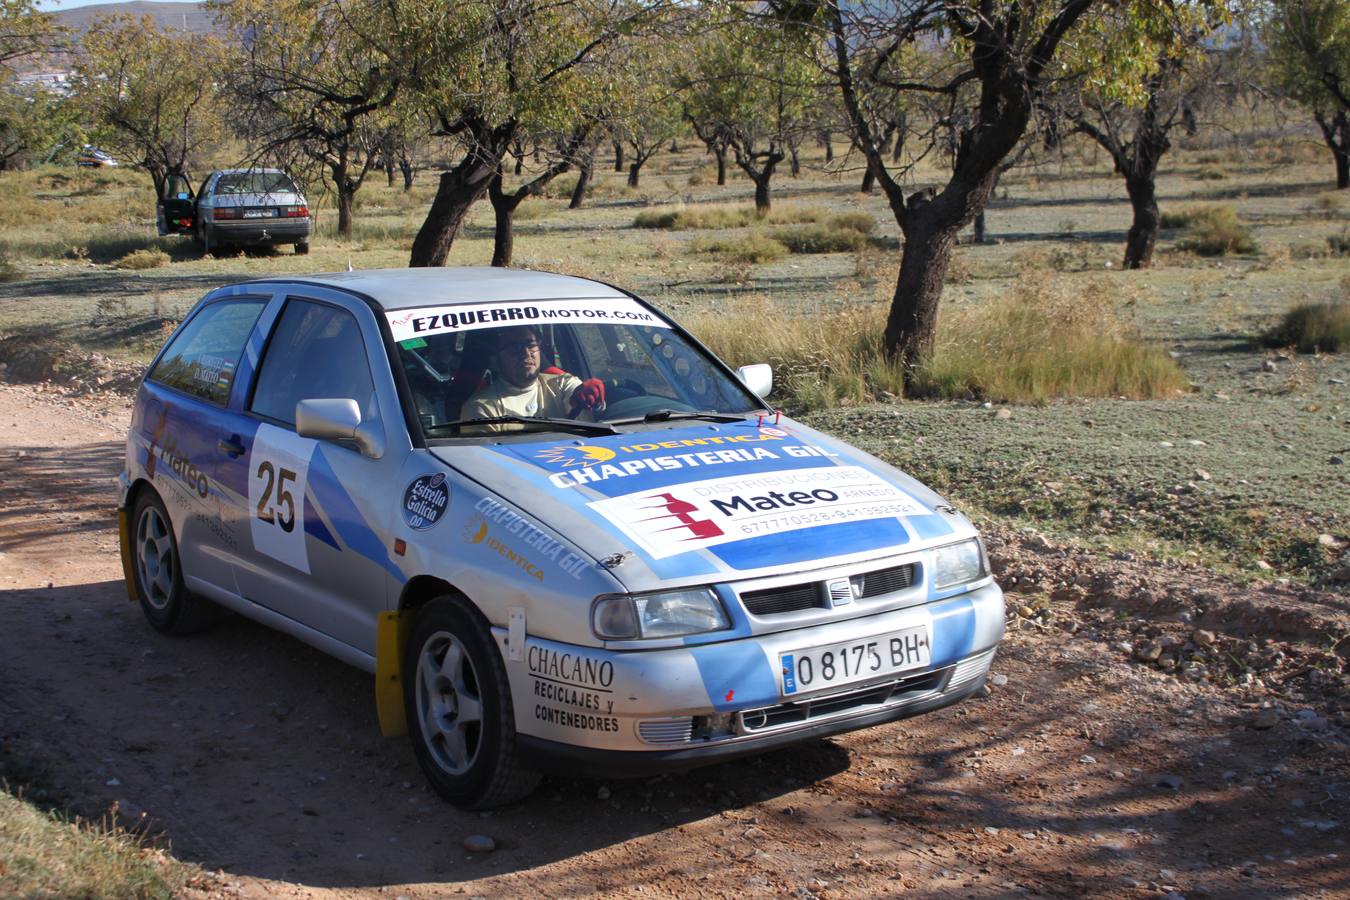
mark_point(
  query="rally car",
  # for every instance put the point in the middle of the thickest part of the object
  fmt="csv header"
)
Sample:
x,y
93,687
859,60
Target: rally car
x,y
559,531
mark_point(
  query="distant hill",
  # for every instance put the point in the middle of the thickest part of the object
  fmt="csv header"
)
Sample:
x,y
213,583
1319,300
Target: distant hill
x,y
192,16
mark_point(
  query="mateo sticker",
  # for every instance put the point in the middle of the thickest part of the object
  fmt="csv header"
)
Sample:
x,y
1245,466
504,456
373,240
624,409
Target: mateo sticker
x,y
699,514
425,501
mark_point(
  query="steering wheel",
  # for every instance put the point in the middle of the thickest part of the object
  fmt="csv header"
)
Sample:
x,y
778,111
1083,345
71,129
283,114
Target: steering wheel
x,y
618,390
636,406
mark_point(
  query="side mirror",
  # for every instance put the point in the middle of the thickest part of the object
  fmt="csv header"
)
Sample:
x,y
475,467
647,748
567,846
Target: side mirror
x,y
337,420
758,378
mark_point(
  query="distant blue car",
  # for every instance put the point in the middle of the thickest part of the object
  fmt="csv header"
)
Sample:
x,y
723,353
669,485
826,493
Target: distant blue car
x,y
557,529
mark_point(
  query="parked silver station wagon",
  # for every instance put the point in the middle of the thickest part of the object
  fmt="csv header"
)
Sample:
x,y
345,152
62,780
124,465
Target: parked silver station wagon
x,y
236,208
560,533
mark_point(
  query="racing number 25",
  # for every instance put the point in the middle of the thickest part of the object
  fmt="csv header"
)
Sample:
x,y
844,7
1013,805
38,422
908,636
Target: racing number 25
x,y
276,477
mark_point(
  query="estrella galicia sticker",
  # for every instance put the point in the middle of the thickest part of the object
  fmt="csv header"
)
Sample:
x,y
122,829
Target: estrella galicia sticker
x,y
425,501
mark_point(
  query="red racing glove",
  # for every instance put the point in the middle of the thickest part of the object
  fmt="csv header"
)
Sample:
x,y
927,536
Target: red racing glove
x,y
590,395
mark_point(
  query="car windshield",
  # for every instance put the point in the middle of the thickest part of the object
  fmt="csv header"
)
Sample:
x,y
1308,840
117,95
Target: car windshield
x,y
484,368
255,183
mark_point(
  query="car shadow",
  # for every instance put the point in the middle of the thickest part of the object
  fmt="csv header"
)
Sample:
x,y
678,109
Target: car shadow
x,y
254,753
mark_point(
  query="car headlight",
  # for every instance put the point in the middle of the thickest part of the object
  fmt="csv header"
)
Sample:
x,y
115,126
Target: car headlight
x,y
959,564
663,615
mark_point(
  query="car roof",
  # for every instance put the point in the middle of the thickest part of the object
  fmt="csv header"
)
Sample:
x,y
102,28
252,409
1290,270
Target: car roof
x,y
246,171
411,288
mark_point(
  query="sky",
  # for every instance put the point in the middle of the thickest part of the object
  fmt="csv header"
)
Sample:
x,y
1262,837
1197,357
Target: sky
x,y
54,5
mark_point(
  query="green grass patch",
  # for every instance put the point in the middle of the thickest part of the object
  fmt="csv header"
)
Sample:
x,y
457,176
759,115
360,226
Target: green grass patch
x,y
44,854
748,248
1216,231
1314,328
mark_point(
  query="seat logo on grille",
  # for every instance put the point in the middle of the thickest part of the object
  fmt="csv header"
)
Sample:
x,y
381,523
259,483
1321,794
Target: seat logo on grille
x,y
841,592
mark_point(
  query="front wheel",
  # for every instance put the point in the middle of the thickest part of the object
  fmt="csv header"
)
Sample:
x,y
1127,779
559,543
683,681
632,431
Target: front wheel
x,y
164,599
459,709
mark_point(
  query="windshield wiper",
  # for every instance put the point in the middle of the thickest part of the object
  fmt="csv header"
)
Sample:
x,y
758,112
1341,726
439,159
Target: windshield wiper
x,y
561,424
667,415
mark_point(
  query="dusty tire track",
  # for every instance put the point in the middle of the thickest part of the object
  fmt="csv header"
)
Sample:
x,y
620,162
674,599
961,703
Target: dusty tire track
x,y
261,757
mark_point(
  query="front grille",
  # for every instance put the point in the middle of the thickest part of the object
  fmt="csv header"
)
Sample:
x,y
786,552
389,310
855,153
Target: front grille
x,y
855,701
674,730
782,599
886,581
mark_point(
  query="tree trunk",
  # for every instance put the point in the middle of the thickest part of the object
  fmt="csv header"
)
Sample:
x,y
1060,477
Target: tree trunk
x,y
762,201
618,157
1336,134
405,165
721,154
346,194
827,141
796,165
504,211
459,189
979,228
633,171
869,182
1144,229
911,326
389,170
583,181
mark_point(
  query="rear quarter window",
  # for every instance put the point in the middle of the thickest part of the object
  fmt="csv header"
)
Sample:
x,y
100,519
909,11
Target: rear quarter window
x,y
202,358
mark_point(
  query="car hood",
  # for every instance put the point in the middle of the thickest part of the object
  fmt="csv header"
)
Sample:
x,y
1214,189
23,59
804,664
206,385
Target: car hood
x,y
273,198
699,502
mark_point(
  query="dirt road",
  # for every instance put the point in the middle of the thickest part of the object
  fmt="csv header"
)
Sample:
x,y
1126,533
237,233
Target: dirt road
x,y
1084,772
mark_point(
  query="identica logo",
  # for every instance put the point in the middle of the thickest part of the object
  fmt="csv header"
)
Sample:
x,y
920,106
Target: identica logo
x,y
568,455
682,511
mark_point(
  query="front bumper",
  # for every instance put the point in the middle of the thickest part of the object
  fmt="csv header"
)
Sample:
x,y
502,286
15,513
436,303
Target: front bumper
x,y
652,710
844,713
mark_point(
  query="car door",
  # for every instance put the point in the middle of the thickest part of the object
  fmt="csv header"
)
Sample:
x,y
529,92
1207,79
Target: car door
x,y
316,512
176,211
179,415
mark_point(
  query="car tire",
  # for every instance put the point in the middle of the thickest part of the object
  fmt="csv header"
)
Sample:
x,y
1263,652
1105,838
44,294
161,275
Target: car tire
x,y
301,248
158,572
459,710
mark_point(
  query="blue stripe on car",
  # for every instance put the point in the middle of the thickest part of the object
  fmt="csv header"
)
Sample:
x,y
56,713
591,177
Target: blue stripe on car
x,y
737,675
953,630
346,518
807,544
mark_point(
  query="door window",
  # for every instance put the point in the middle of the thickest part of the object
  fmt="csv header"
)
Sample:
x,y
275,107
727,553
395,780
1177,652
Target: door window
x,y
177,187
315,353
202,358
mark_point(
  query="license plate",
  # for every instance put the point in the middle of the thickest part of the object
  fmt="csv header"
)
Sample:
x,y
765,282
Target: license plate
x,y
259,213
861,660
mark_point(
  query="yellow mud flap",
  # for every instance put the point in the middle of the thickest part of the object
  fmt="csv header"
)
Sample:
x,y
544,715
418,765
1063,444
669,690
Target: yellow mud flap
x,y
391,637
128,562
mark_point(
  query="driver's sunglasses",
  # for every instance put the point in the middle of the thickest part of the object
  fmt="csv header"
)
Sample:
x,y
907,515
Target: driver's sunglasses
x,y
519,347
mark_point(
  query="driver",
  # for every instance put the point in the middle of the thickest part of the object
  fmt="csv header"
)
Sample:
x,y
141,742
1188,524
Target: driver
x,y
519,388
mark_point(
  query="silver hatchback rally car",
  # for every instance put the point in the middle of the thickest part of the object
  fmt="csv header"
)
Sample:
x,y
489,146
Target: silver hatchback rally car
x,y
560,533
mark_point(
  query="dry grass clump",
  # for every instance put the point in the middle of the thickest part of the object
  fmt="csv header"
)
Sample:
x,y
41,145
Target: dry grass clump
x,y
148,258
829,359
1216,231
686,218
1211,172
747,248
47,856
1048,339
1314,328
1339,244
